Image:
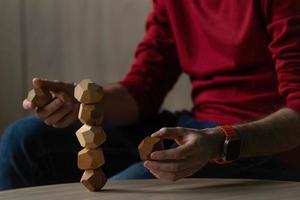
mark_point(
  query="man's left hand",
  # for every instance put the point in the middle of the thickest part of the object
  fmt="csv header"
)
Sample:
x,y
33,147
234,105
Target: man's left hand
x,y
195,149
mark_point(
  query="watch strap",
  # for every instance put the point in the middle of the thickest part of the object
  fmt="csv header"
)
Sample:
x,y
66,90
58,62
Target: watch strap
x,y
229,133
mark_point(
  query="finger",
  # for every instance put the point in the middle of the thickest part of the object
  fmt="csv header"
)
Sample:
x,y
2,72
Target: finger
x,y
169,166
175,165
169,133
58,115
167,176
49,109
179,153
173,176
28,105
52,85
67,120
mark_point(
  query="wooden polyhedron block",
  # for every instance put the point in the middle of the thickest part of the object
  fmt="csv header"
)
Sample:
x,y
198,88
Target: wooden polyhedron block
x,y
91,136
149,145
93,180
91,114
88,92
90,158
39,97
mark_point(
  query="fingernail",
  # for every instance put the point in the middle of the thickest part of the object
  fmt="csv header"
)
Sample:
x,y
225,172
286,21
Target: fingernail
x,y
155,134
38,79
152,156
34,80
146,164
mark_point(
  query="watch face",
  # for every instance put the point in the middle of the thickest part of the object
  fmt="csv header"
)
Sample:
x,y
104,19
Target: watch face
x,y
232,149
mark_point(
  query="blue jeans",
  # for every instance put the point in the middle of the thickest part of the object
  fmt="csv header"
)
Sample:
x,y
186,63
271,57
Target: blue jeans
x,y
32,153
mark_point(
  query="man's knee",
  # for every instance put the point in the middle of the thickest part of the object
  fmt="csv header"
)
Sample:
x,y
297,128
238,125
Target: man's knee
x,y
20,135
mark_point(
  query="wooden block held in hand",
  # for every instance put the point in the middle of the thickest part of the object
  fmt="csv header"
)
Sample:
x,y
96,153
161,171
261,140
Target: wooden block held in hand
x,y
39,97
90,158
88,92
91,137
94,180
91,114
149,145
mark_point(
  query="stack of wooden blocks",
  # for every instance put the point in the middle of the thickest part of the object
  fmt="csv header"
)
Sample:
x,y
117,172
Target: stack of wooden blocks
x,y
91,135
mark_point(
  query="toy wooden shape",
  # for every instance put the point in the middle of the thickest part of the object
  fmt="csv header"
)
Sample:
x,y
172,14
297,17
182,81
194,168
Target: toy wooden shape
x,y
91,114
149,145
64,97
90,158
39,97
91,137
88,92
94,180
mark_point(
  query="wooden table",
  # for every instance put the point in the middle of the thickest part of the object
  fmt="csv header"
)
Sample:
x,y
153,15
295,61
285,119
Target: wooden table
x,y
193,189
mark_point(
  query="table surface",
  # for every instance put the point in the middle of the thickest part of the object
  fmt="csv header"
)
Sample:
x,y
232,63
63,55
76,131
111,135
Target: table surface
x,y
159,190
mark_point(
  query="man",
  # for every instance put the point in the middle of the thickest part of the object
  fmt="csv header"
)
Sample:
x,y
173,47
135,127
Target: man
x,y
243,58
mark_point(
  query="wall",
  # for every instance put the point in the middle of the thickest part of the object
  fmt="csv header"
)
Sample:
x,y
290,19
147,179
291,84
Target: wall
x,y
11,57
70,40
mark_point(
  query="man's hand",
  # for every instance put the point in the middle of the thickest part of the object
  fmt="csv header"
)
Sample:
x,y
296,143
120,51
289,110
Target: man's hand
x,y
57,113
196,148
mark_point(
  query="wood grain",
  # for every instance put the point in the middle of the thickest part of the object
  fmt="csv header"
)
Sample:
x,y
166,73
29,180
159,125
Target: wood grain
x,y
187,189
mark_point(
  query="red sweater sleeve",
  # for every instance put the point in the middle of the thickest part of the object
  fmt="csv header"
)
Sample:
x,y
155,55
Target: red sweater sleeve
x,y
156,66
284,28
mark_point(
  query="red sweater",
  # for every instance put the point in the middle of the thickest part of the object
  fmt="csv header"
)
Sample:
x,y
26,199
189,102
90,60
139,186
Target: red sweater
x,y
242,56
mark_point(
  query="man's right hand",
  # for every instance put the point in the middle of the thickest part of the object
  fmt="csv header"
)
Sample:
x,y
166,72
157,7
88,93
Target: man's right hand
x,y
57,113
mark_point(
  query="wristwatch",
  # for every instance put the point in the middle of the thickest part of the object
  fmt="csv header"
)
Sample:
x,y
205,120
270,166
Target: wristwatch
x,y
232,144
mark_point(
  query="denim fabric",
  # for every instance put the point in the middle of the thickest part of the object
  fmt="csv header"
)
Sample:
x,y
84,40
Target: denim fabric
x,y
32,153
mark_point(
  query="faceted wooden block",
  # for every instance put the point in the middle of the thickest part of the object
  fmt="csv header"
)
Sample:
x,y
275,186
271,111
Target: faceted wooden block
x,y
88,92
90,158
149,145
91,114
39,97
93,180
91,137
